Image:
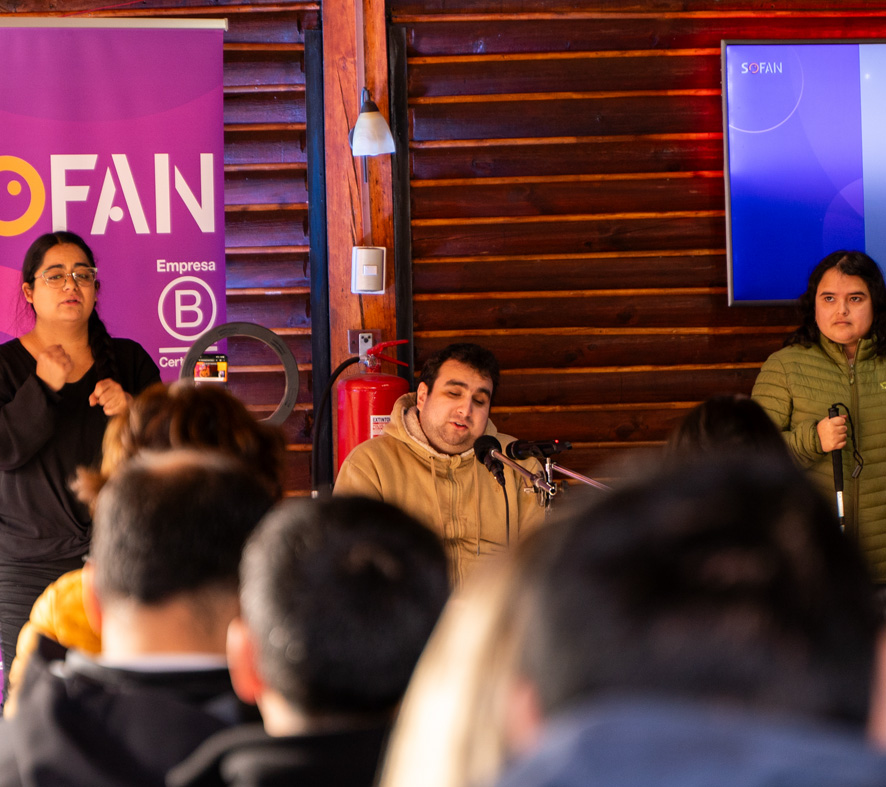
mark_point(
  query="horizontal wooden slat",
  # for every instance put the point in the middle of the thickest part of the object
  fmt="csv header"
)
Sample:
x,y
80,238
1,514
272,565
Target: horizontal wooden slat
x,y
273,313
295,210
260,49
567,156
593,423
269,271
405,10
247,65
255,148
621,385
582,115
232,293
276,23
609,463
607,270
637,309
608,32
570,235
564,71
243,252
279,186
518,348
246,351
257,388
274,127
281,88
540,196
296,428
297,169
271,106
268,227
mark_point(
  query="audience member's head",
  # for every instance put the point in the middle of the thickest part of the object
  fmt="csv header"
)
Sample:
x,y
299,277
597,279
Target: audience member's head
x,y
727,425
723,583
169,529
338,599
183,415
719,581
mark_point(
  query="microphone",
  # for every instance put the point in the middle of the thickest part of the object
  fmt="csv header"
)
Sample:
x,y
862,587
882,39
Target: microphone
x,y
484,449
837,460
488,450
540,449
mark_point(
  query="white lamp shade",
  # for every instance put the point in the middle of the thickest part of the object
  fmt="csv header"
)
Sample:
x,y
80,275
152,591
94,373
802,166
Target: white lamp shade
x,y
371,135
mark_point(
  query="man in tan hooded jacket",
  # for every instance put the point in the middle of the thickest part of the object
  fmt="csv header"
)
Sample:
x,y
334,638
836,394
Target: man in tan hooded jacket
x,y
425,464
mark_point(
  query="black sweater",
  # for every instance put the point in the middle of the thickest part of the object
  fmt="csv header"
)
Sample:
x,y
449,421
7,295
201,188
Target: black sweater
x,y
44,436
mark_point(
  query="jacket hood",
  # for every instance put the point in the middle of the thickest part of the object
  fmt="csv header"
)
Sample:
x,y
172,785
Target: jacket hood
x,y
405,427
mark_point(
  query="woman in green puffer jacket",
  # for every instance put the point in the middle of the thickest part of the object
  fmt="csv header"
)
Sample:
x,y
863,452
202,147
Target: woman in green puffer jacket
x,y
838,357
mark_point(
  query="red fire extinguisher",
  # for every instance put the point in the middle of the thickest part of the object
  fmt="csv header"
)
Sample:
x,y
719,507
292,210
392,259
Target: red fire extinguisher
x,y
365,401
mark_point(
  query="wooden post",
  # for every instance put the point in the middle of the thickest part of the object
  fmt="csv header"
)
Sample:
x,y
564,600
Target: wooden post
x,y
355,55
346,193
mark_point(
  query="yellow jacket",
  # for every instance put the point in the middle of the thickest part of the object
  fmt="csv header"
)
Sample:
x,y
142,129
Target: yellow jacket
x,y
58,613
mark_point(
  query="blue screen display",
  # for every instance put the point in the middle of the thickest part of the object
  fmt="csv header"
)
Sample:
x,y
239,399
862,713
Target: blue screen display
x,y
805,160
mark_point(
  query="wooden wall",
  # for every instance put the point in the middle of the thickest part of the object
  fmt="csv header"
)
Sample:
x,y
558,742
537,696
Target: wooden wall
x,y
266,196
567,204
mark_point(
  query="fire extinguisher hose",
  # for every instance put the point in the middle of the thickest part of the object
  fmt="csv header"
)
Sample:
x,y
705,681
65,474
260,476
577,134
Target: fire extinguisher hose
x,y
321,412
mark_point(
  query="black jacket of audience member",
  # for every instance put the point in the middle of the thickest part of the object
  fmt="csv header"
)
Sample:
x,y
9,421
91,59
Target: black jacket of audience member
x,y
247,756
81,723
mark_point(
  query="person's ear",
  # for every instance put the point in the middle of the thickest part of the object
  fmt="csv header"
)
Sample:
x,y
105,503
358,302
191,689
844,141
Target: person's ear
x,y
877,715
523,716
28,292
91,602
421,395
242,663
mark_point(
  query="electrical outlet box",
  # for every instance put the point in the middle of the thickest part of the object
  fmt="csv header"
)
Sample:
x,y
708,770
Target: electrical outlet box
x,y
368,270
361,339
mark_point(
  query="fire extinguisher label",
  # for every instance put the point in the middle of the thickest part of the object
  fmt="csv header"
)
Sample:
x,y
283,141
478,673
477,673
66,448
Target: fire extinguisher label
x,y
377,424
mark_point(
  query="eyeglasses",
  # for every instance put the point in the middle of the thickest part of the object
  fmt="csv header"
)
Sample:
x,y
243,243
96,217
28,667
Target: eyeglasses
x,y
83,277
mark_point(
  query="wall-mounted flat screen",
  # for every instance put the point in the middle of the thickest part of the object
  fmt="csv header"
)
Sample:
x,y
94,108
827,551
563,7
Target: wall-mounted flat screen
x,y
805,160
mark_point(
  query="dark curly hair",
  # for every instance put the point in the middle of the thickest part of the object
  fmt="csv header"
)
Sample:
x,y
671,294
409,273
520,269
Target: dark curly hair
x,y
849,263
99,339
480,359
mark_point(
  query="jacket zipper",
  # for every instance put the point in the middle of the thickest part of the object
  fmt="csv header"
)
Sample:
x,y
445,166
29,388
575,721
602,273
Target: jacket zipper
x,y
853,398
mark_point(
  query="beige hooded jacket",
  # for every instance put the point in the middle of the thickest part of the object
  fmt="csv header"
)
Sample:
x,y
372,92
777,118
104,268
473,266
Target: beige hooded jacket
x,y
454,495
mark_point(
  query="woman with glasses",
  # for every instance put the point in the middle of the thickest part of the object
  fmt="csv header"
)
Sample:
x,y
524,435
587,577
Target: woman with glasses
x,y
59,384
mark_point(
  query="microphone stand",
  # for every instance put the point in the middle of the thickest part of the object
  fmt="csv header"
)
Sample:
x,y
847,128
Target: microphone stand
x,y
551,466
544,450
538,482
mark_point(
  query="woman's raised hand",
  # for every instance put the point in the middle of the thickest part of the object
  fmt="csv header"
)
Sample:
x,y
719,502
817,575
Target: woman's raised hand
x,y
53,366
110,396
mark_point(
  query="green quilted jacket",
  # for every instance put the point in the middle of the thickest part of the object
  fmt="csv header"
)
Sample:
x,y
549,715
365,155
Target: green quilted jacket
x,y
796,386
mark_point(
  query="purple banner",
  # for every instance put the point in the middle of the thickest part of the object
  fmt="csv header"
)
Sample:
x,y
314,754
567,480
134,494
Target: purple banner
x,y
117,134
